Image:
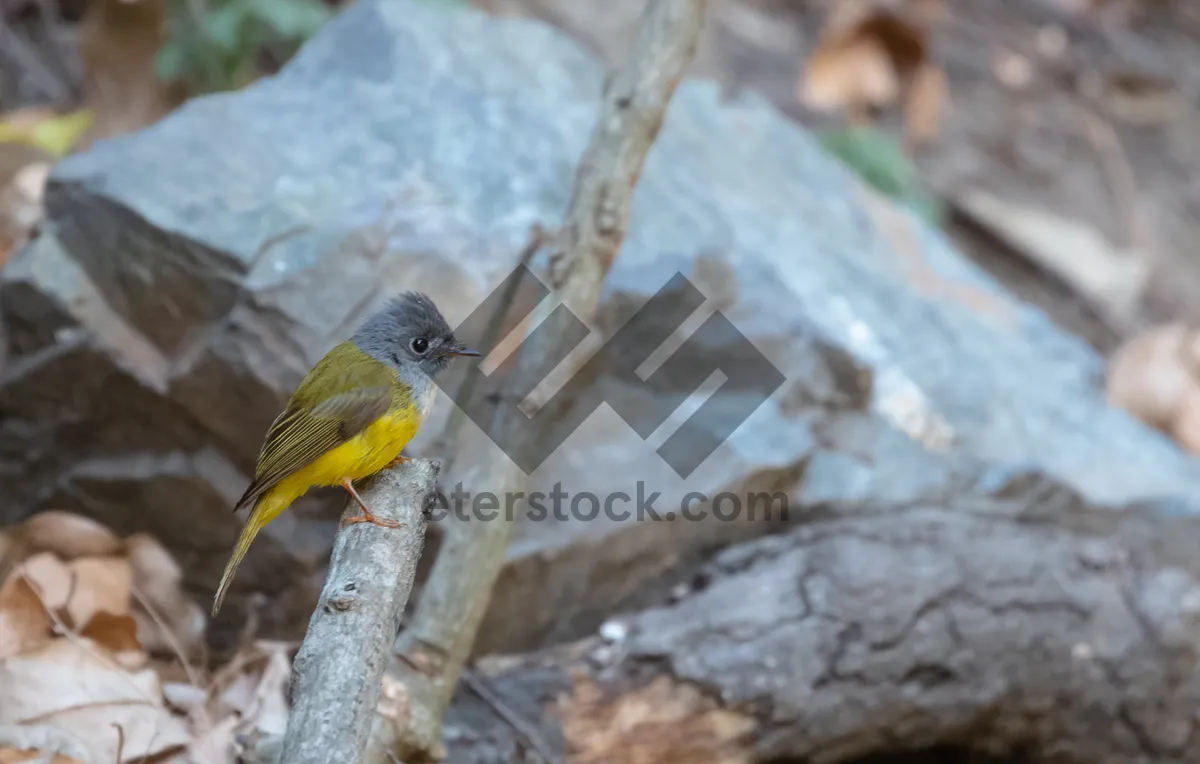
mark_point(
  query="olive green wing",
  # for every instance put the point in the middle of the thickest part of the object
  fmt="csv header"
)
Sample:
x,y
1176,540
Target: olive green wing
x,y
302,434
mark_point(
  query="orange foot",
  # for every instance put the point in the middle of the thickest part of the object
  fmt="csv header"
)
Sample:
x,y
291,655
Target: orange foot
x,y
398,461
366,516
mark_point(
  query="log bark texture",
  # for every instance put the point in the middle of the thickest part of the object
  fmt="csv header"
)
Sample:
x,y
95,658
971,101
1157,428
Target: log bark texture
x,y
337,673
1069,634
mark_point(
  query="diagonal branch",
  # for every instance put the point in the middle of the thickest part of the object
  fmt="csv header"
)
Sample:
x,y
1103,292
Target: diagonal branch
x,y
452,605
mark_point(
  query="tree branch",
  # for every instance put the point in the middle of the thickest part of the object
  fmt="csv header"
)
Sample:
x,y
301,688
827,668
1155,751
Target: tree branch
x,y
337,673
636,96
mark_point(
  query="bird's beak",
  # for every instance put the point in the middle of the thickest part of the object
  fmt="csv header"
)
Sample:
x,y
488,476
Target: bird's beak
x,y
461,349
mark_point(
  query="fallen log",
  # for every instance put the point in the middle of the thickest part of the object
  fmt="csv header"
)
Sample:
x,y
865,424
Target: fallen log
x,y
1065,634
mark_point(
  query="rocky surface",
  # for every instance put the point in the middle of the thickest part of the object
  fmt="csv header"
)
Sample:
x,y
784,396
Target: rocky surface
x,y
189,274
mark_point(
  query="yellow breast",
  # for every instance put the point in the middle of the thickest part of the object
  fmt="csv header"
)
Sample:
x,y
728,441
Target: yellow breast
x,y
361,456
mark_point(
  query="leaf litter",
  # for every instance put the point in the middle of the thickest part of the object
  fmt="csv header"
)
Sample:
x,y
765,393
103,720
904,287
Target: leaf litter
x,y
102,655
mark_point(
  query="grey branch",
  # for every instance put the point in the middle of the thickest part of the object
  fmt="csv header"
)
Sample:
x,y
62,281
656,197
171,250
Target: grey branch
x,y
337,673
452,605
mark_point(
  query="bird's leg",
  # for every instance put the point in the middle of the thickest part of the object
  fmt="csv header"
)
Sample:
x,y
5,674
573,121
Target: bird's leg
x,y
400,459
366,516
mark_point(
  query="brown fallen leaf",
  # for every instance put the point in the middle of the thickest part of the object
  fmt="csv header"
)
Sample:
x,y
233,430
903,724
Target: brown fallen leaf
x,y
68,535
1155,376
50,577
870,61
13,756
158,585
665,721
115,633
71,685
102,584
24,621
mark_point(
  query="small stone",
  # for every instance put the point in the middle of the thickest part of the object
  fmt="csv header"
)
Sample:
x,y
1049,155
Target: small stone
x,y
614,631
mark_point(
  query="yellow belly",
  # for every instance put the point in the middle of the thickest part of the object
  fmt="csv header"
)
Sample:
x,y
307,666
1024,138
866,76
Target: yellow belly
x,y
363,455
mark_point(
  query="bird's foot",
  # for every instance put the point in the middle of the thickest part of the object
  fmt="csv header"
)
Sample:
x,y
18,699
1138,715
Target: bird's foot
x,y
367,517
398,461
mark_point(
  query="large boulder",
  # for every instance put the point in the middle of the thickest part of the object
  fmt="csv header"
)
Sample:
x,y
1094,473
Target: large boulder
x,y
188,275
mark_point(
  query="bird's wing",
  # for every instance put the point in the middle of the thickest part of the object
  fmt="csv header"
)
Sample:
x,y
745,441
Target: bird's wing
x,y
298,437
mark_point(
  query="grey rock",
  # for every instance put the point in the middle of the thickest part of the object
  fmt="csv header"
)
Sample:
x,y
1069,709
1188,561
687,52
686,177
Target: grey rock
x,y
189,274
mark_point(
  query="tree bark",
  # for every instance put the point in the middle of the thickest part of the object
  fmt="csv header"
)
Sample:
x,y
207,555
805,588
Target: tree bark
x,y
452,604
1066,636
337,673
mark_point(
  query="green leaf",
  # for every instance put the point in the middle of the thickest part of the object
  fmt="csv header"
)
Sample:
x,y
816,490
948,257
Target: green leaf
x,y
293,19
223,26
881,162
170,61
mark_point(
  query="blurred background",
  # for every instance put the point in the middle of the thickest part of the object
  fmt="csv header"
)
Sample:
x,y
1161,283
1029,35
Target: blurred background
x,y
1050,148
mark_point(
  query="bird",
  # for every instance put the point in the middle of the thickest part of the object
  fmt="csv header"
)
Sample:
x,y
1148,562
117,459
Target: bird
x,y
351,416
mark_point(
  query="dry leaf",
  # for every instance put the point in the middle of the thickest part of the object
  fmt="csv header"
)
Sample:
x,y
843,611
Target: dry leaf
x,y
1186,429
863,66
850,72
24,621
868,60
115,633
102,584
158,579
13,756
924,104
21,166
216,746
239,697
69,684
1154,376
269,713
663,721
19,740
68,535
50,577
183,696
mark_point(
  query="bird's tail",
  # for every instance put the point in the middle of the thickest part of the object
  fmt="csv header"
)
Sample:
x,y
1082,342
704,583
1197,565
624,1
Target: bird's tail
x,y
266,509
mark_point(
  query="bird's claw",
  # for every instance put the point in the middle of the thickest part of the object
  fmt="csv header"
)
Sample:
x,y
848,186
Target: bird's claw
x,y
367,517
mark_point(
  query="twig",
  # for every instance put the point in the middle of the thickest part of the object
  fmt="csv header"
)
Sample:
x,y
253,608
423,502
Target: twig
x,y
454,601
538,237
532,739
336,675
170,635
1119,174
120,743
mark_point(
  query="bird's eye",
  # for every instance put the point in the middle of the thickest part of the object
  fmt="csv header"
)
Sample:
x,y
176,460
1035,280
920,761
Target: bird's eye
x,y
420,345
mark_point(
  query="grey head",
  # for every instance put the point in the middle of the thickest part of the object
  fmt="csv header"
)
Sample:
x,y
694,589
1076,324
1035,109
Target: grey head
x,y
410,334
